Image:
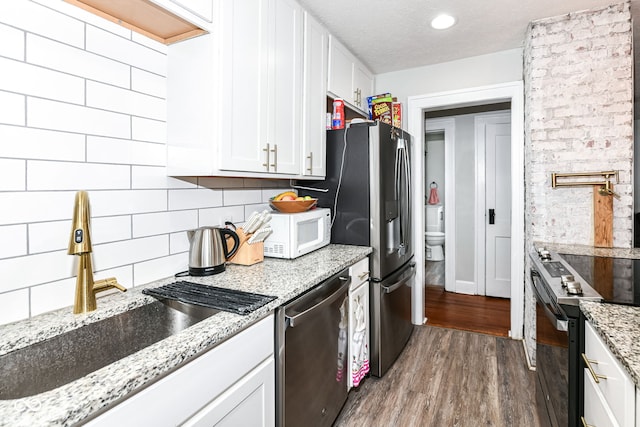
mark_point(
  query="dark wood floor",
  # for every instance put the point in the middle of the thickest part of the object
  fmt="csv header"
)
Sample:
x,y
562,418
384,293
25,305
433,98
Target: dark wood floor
x,y
474,313
448,378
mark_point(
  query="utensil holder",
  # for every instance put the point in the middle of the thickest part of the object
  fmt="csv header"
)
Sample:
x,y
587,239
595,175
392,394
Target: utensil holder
x,y
247,254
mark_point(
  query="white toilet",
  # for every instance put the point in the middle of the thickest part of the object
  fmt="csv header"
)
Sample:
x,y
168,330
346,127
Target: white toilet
x,y
435,233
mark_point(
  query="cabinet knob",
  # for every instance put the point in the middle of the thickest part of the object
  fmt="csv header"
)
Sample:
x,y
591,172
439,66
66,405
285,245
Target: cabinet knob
x,y
266,165
275,158
310,157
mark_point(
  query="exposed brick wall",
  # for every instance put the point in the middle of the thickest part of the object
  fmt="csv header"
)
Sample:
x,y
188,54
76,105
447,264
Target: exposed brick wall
x,y
578,71
578,82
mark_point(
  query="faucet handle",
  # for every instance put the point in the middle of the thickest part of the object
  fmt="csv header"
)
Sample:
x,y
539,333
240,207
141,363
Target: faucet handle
x,y
109,283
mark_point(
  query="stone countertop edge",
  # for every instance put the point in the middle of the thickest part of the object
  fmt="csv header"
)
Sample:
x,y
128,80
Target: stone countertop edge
x,y
74,402
619,328
591,250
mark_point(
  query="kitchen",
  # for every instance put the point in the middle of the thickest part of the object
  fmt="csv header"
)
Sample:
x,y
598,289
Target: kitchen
x,y
67,128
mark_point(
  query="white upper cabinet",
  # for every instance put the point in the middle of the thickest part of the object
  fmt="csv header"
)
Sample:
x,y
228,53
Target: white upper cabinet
x,y
314,105
235,95
348,78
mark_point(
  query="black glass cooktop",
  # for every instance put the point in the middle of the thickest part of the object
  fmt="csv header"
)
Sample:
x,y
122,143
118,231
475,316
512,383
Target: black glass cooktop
x,y
616,279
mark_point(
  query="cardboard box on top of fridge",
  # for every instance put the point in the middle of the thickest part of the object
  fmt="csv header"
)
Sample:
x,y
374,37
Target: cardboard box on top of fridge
x,y
396,113
370,102
381,109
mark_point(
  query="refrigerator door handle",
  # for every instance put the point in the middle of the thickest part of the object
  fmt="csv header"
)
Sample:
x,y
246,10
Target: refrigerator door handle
x,y
403,279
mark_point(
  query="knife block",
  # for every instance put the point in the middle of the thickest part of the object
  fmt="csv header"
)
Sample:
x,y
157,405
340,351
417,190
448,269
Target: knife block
x,y
246,254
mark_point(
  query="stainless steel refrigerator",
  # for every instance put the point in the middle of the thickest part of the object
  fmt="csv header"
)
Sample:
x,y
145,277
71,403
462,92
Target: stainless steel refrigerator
x,y
369,193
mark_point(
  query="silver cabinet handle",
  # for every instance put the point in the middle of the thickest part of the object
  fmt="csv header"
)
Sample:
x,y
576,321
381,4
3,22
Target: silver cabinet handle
x,y
310,157
266,150
363,275
355,96
275,157
596,377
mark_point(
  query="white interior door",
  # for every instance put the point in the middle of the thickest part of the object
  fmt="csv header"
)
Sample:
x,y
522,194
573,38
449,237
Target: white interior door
x,y
498,208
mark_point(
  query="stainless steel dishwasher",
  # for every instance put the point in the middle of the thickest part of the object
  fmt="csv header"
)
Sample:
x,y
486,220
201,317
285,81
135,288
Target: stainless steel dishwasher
x,y
312,369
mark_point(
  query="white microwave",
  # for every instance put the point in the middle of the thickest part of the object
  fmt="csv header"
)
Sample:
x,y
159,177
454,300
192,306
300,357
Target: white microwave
x,y
297,234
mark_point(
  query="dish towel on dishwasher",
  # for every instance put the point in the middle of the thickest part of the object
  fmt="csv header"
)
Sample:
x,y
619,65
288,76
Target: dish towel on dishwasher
x,y
360,362
342,341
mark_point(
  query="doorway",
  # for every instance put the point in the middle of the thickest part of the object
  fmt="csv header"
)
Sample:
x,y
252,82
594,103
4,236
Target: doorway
x,y
417,105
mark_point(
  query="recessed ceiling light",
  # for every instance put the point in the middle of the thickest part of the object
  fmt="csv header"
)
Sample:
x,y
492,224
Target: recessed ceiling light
x,y
443,21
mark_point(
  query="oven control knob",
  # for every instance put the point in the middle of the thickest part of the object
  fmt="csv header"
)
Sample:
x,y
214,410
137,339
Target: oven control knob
x,y
565,278
545,255
574,288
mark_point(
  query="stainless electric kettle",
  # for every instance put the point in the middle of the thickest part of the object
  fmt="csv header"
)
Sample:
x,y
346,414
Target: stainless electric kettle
x,y
208,250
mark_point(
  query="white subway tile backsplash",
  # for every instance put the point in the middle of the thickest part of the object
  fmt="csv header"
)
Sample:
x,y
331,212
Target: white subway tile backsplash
x,y
148,130
164,222
125,101
156,177
178,242
27,143
43,175
54,235
111,255
125,151
36,19
126,51
74,118
28,79
12,45
150,43
12,108
86,16
15,306
146,82
12,175
147,271
32,270
34,206
107,203
14,238
52,296
58,56
241,197
218,216
194,199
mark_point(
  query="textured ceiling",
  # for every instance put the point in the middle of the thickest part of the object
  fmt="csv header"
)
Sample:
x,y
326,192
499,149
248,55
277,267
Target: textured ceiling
x,y
390,35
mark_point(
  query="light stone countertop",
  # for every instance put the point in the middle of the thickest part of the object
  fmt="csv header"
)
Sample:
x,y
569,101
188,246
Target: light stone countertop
x,y
75,401
619,328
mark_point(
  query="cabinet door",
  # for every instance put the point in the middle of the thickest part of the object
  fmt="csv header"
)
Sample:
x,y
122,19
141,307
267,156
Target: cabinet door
x,y
249,402
340,79
314,103
244,47
596,410
285,87
363,84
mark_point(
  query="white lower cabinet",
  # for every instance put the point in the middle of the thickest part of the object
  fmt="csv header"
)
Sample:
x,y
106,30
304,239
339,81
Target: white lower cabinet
x,y
359,352
232,384
609,395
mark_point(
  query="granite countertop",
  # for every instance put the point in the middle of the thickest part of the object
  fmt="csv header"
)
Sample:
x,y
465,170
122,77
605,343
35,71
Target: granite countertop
x,y
619,328
75,401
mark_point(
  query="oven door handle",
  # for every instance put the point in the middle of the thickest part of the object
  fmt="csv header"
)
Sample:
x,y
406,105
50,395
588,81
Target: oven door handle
x,y
561,323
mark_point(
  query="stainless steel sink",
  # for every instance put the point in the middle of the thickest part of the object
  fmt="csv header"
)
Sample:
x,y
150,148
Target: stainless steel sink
x,y
66,357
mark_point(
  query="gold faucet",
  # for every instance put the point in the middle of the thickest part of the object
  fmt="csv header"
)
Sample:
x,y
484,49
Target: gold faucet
x,y
80,244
